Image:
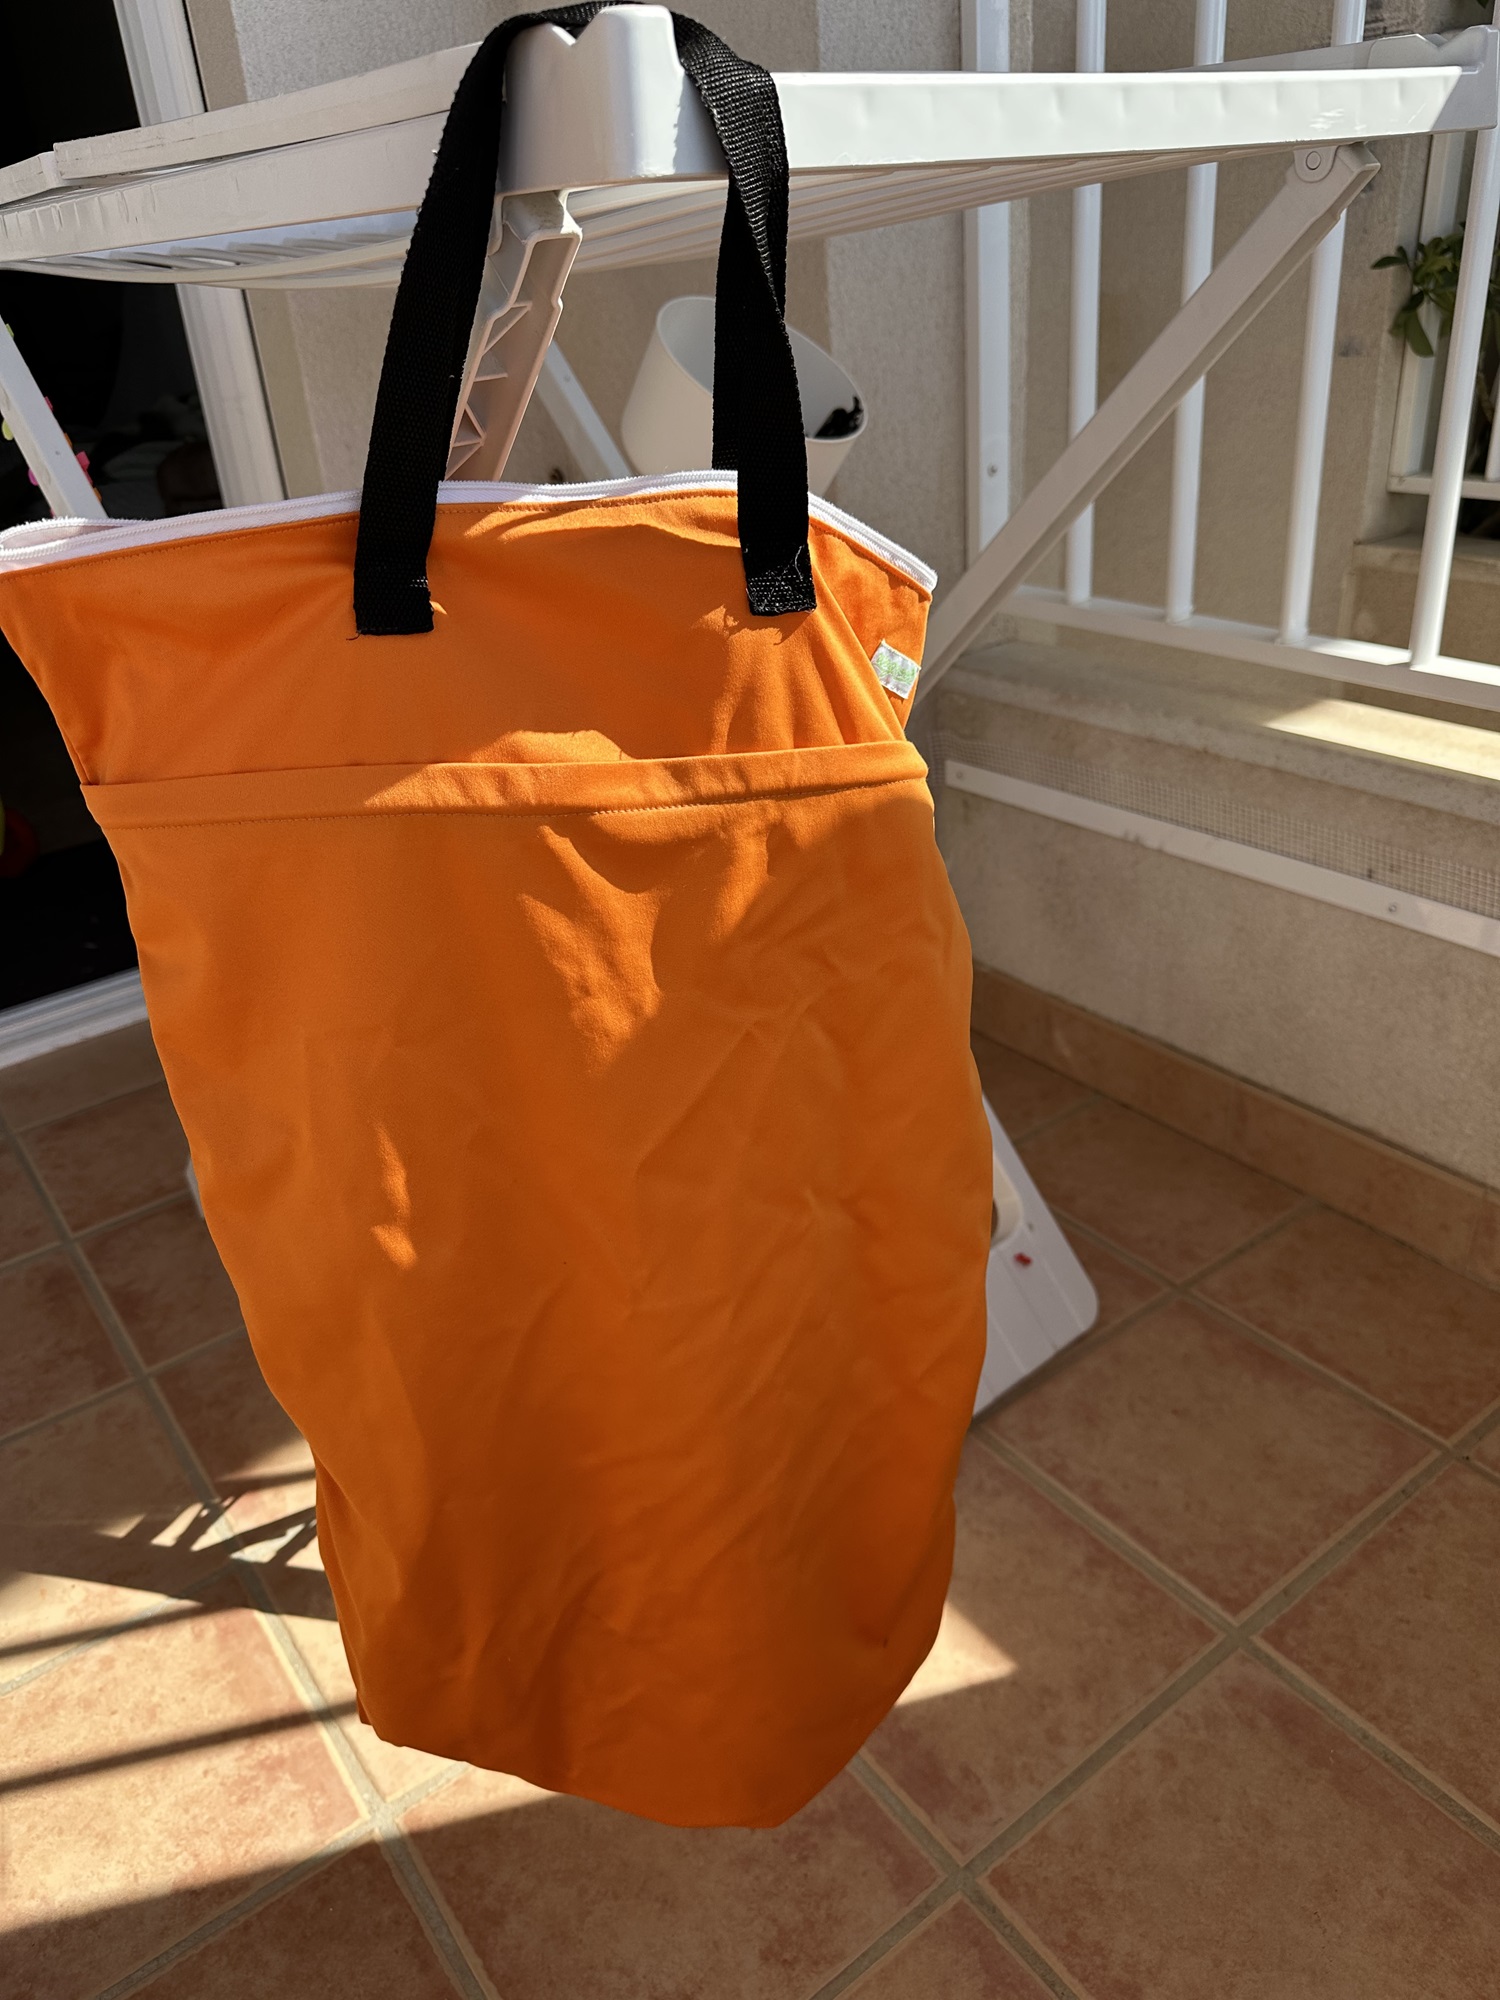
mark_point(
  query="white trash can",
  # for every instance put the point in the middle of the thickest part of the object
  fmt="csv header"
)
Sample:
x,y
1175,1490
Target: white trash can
x,y
668,424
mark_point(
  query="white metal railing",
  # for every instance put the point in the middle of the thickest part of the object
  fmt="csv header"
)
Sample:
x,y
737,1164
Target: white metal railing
x,y
1433,431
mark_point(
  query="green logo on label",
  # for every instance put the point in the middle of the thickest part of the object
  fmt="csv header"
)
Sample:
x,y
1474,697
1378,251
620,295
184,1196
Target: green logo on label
x,y
894,670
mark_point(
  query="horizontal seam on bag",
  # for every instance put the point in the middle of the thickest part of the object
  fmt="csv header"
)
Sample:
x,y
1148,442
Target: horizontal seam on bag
x,y
527,812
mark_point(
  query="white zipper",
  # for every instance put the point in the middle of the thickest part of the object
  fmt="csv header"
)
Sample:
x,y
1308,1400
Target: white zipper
x,y
35,543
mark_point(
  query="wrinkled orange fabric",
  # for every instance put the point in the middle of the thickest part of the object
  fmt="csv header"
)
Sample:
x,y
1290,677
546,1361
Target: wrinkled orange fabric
x,y
568,1014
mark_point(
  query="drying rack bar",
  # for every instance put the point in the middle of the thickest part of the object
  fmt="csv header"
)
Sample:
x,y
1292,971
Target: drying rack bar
x,y
314,175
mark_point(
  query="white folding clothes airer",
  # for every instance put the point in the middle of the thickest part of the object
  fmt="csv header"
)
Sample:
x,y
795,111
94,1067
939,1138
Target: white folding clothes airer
x,y
609,161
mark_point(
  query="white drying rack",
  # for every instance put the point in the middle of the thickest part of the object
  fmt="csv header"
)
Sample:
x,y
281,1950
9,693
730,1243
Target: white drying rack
x,y
610,161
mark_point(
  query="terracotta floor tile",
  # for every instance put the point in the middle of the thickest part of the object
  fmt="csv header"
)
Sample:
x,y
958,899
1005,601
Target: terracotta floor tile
x,y
346,1933
1245,1848
256,1460
1487,1451
246,1443
1421,1338
1405,1633
53,1351
24,1223
1049,1642
164,1279
1227,1462
300,1592
98,1523
1166,1199
113,1157
954,1956
51,1086
120,1843
560,1898
1023,1093
1121,1287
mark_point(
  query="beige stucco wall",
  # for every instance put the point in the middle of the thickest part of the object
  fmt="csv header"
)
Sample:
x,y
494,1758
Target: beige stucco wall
x,y
1385,1028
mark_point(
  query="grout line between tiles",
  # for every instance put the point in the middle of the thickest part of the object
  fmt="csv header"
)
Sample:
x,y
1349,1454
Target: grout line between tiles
x,y
987,1907
1240,1635
99,1396
1310,1572
1304,1205
1052,1119
202,1347
110,1222
382,1814
429,1912
958,1881
157,1614
1116,1250
118,1388
435,1909
1166,1697
1477,1429
118,1332
891,1939
177,1199
1103,1530
1235,1635
22,1258
1168,1290
157,1082
905,1814
1321,1371
92,1104
1395,1760
247,1906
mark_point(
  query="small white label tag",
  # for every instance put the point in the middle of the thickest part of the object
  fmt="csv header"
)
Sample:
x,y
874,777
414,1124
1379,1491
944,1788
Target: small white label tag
x,y
894,671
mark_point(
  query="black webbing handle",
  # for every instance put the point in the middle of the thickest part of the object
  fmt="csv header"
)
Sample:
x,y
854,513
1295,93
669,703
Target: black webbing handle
x,y
757,411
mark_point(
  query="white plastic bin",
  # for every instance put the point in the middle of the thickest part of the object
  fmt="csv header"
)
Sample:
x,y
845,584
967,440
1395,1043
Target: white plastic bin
x,y
668,424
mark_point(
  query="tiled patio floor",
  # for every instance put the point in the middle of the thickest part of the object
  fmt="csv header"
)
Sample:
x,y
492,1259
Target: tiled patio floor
x,y
1215,1714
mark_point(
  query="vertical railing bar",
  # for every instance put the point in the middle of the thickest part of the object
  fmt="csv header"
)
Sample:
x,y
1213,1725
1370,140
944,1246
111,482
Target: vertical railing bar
x,y
1464,344
987,284
1083,356
1492,452
1416,392
1317,385
1197,262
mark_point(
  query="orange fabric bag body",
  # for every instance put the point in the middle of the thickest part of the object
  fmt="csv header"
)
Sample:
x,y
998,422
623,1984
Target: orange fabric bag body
x,y
568,1013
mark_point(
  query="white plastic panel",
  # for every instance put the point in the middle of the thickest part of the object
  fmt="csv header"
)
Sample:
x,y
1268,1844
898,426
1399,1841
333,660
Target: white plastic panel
x,y
1038,1294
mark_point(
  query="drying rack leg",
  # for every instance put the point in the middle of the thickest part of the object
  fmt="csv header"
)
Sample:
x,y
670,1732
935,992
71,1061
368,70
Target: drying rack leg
x,y
44,446
1319,186
584,431
532,249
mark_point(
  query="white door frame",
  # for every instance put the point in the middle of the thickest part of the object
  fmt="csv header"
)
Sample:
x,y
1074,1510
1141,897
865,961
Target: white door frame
x,y
164,76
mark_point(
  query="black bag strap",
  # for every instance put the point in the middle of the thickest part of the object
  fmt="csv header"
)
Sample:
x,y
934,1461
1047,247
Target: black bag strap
x,y
757,411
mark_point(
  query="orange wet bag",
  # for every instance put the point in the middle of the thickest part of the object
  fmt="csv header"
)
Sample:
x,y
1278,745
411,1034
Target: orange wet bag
x,y
564,998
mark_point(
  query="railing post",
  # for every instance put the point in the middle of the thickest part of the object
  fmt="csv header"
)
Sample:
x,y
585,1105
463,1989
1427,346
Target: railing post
x,y
1317,387
1417,389
1197,262
987,252
1083,360
1464,345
